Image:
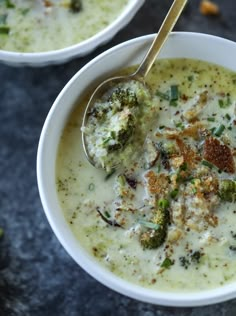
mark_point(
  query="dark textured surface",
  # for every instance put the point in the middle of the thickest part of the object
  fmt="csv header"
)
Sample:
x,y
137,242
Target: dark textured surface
x,y
37,277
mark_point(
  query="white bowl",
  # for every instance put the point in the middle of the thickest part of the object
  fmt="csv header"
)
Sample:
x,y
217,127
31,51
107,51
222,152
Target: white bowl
x,y
189,45
77,50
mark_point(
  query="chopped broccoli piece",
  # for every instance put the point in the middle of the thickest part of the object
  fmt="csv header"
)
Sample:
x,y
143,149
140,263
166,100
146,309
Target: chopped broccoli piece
x,y
167,263
196,256
227,190
99,112
75,5
154,238
184,262
120,137
124,98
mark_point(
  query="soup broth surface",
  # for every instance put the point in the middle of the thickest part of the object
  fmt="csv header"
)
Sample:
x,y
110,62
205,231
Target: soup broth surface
x,y
185,165
39,26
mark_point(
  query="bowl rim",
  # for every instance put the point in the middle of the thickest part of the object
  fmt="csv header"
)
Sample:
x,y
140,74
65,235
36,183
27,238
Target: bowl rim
x,y
83,259
77,50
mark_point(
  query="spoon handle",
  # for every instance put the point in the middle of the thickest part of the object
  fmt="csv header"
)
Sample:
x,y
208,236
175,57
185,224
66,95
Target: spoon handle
x,y
161,37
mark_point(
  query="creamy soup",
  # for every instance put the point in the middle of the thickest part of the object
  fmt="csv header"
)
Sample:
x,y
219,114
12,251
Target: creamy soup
x,y
165,218
43,25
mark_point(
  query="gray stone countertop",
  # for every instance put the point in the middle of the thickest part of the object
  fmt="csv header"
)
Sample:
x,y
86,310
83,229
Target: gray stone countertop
x,y
37,276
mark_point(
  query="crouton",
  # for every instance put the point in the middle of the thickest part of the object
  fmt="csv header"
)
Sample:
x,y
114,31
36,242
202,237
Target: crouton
x,y
209,8
219,155
157,183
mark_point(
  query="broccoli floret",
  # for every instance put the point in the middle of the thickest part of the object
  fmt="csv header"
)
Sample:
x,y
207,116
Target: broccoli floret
x,y
75,5
124,98
194,258
120,137
154,238
118,100
227,190
100,111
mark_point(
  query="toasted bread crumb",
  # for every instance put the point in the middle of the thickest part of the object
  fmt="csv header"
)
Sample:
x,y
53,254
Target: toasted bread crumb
x,y
157,183
218,154
209,8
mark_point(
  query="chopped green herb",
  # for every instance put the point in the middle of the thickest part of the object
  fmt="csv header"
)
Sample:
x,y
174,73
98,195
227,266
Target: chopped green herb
x,y
174,93
106,140
163,203
110,174
221,103
149,224
211,119
113,134
167,263
227,116
188,179
107,214
230,128
224,103
162,127
121,180
171,96
212,130
91,187
228,101
174,193
173,103
218,132
4,29
207,163
9,4
164,96
179,125
190,78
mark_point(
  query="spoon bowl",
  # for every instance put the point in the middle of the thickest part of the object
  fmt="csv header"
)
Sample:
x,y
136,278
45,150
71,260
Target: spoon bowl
x,y
139,75
97,94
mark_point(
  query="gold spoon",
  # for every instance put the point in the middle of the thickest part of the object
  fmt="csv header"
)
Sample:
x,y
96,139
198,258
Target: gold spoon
x,y
143,69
